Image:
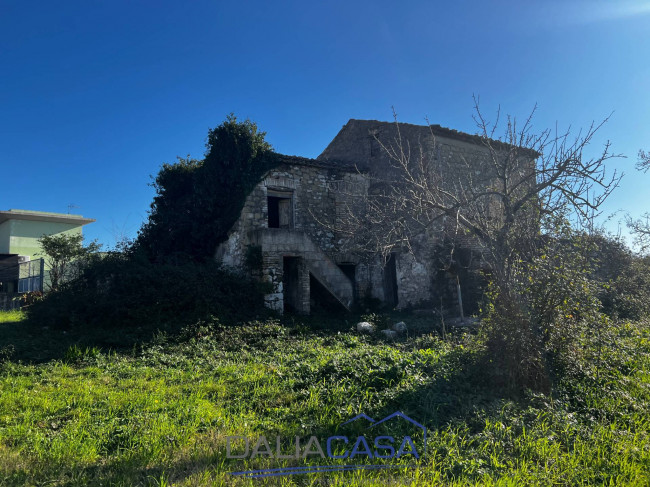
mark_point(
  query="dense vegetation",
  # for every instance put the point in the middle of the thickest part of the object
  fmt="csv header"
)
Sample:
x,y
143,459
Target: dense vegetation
x,y
126,290
198,201
158,413
168,274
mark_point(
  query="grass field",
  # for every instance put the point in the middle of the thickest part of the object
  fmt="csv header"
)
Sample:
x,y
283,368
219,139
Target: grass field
x,y
77,410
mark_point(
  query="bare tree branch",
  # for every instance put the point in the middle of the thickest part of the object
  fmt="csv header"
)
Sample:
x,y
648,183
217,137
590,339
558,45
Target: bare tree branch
x,y
643,164
499,196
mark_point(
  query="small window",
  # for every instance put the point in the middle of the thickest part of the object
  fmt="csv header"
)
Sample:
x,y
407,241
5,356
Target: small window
x,y
280,210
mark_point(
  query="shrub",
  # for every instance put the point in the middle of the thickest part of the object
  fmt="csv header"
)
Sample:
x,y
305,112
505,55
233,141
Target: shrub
x,y
123,290
167,274
628,296
514,348
625,279
533,327
253,260
198,201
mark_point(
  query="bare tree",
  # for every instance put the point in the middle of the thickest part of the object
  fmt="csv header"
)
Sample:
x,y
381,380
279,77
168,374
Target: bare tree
x,y
498,199
643,164
522,177
640,227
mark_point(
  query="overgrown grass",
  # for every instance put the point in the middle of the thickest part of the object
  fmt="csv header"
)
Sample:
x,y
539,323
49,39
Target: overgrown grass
x,y
158,414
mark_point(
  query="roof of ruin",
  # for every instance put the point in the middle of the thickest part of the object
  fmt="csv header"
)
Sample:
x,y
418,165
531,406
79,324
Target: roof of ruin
x,y
324,163
345,146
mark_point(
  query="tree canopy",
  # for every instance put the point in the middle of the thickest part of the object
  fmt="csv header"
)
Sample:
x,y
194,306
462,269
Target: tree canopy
x,y
64,255
198,201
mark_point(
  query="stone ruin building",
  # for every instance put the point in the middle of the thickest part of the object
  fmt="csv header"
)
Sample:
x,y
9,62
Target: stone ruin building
x,y
290,218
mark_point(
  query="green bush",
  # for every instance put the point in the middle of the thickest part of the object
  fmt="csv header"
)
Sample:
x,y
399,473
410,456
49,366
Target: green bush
x,y
125,290
624,278
253,260
533,326
628,296
167,274
198,201
513,345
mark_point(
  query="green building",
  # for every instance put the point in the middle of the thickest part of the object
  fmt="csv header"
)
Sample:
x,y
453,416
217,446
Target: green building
x,y
19,247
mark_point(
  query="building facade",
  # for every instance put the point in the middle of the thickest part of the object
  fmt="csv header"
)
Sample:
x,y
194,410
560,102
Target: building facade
x,y
21,266
291,220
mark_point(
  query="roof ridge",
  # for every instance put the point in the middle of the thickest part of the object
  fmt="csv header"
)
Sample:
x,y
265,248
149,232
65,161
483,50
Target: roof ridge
x,y
309,161
439,130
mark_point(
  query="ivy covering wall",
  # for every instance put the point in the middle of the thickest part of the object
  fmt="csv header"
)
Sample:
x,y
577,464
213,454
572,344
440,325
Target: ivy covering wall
x,y
198,201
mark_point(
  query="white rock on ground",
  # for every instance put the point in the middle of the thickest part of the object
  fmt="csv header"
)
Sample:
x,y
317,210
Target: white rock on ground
x,y
400,327
365,327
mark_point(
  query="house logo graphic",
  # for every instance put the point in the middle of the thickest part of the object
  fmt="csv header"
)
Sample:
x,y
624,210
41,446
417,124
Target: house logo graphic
x,y
371,447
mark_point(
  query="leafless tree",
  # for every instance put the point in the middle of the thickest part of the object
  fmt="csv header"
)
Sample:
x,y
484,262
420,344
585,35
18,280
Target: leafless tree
x,y
643,164
522,177
640,227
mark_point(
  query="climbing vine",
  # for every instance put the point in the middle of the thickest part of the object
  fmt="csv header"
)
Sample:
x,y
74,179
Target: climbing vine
x,y
198,201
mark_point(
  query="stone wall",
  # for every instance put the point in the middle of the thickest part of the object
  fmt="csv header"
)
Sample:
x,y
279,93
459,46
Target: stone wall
x,y
414,280
320,192
315,193
453,158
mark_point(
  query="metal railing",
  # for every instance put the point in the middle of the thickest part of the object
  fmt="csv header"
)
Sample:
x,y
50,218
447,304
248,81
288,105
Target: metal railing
x,y
17,279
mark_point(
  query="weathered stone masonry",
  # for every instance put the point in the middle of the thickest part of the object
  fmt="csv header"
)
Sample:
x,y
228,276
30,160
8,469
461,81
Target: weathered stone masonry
x,y
291,216
306,243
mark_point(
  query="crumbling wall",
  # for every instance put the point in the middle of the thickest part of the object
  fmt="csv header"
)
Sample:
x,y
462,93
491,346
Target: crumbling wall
x,y
320,196
315,194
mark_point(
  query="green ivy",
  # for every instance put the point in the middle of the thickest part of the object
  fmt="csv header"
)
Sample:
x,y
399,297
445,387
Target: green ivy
x,y
198,201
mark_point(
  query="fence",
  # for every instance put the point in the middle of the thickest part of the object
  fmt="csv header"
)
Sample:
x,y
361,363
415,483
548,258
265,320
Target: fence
x,y
9,301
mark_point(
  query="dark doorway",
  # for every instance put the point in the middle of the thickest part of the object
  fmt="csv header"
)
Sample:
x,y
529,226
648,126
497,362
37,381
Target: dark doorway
x,y
390,281
349,270
291,284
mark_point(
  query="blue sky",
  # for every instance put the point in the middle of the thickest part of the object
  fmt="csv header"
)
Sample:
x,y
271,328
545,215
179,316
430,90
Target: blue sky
x,y
95,96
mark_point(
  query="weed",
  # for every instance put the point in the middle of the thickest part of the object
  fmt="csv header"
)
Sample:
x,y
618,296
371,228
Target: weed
x,y
159,414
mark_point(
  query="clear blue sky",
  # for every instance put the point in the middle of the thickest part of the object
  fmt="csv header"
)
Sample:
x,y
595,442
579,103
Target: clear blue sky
x,y
95,96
